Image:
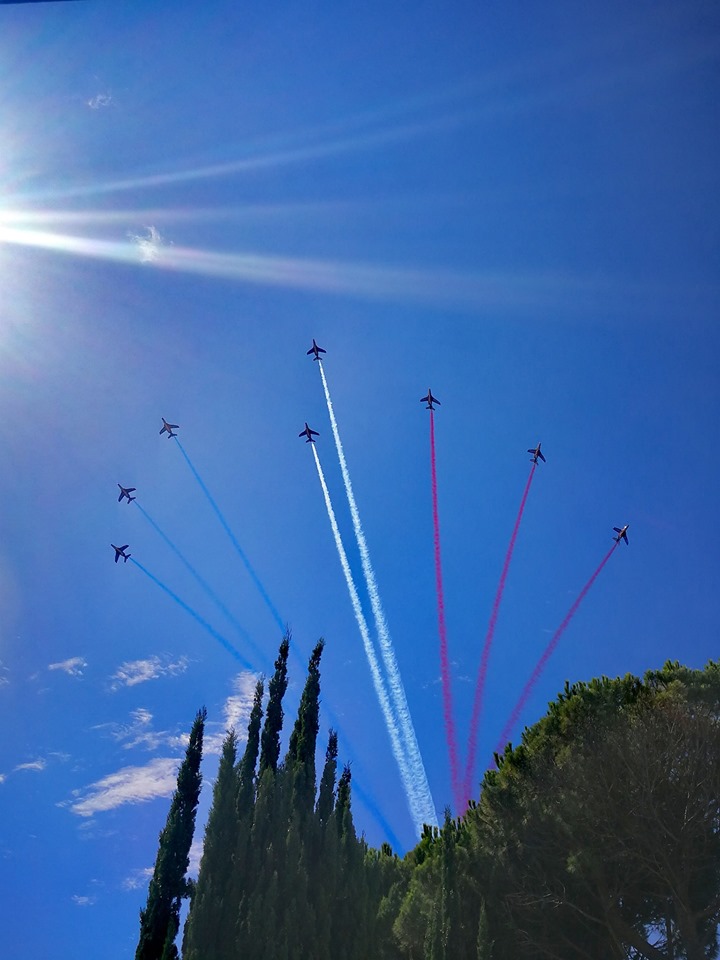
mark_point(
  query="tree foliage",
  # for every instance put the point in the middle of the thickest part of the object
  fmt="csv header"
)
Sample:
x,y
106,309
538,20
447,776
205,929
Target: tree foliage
x,y
601,831
596,838
160,919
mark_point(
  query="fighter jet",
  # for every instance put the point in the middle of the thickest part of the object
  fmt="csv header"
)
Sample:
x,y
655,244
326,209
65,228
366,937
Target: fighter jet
x,y
169,427
316,350
621,534
429,400
536,453
120,552
125,492
307,432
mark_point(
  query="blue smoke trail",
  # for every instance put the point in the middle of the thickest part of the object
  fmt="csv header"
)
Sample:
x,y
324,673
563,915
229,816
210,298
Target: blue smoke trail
x,y
379,818
202,582
256,580
196,616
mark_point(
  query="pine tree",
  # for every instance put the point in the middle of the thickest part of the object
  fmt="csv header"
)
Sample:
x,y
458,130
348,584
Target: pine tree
x,y
270,743
484,943
207,924
160,920
448,894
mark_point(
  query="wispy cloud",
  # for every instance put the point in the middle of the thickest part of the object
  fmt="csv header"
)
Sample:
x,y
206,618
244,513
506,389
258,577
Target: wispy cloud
x,y
99,101
239,704
73,667
129,785
196,850
148,245
132,672
3,777
138,879
83,901
236,711
139,732
37,765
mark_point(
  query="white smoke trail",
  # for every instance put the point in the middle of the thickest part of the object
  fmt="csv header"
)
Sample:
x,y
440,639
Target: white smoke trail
x,y
378,681
421,788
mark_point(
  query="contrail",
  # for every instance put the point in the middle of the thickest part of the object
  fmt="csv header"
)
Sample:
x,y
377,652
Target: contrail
x,y
489,636
442,629
262,658
397,691
241,553
547,653
196,616
230,616
377,678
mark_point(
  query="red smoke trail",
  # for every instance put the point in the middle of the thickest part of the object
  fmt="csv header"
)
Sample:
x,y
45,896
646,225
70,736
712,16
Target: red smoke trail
x,y
444,662
482,670
547,653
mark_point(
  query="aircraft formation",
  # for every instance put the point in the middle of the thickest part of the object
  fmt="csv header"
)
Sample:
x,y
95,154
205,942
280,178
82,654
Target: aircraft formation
x,y
310,435
391,698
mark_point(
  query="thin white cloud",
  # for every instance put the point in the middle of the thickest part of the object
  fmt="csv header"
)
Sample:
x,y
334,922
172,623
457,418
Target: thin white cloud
x,y
148,245
196,850
132,672
236,711
238,706
83,901
37,765
130,785
138,732
3,777
137,879
99,101
73,667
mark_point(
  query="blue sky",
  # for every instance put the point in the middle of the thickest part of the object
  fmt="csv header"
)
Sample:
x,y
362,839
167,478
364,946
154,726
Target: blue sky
x,y
513,204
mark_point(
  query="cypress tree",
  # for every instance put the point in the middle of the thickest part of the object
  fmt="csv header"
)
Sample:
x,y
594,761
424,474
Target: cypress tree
x,y
270,743
239,888
160,920
300,760
207,924
246,768
343,812
326,797
263,834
